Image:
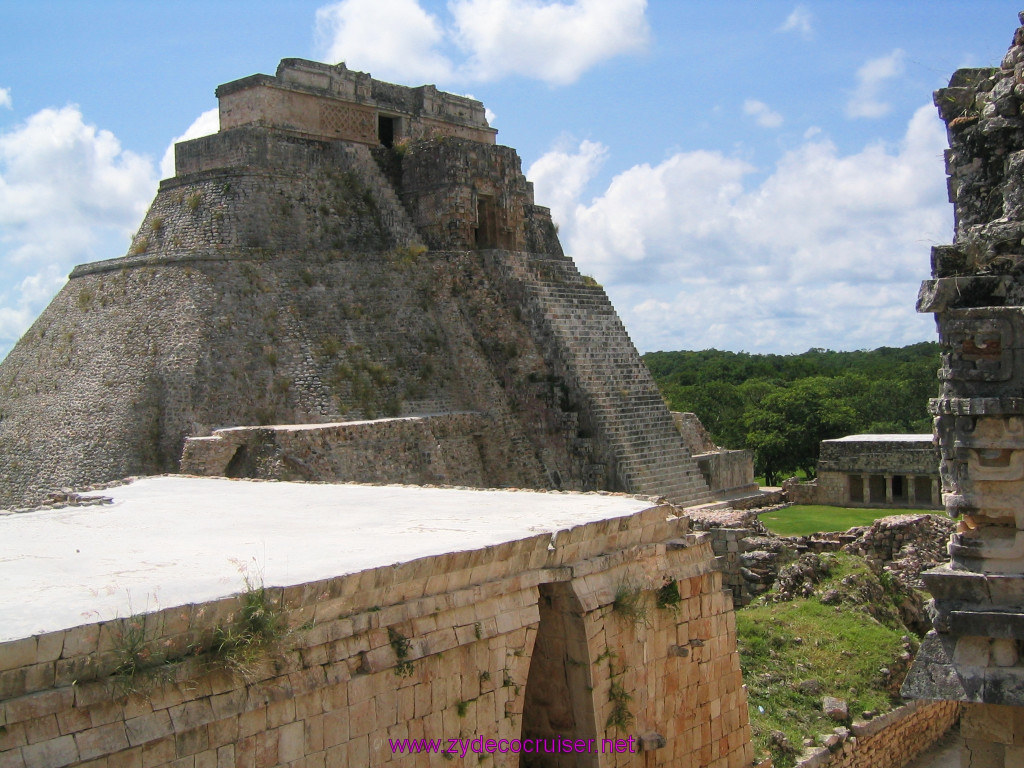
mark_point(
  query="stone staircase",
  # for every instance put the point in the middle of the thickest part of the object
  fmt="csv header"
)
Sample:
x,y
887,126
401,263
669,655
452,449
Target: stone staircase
x,y
392,213
579,327
580,331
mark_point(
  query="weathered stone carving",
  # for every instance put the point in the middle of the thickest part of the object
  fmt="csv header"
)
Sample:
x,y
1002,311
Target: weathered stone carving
x,y
977,295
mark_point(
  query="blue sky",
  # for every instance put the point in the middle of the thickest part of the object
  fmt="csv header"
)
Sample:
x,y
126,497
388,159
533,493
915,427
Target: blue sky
x,y
762,176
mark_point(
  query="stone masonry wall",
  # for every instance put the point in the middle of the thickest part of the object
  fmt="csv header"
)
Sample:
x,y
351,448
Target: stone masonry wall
x,y
749,556
897,456
891,740
696,437
727,471
723,470
479,180
327,101
451,449
439,648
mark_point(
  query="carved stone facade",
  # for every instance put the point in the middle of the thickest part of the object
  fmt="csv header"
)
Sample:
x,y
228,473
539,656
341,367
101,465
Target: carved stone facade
x,y
977,295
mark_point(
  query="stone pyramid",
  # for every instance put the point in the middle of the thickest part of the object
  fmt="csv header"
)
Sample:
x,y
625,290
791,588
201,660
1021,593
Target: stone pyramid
x,y
349,281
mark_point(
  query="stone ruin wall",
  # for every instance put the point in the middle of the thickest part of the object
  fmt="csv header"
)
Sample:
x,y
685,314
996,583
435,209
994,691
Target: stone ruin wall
x,y
728,472
448,449
512,641
749,556
839,459
484,202
725,471
873,465
891,740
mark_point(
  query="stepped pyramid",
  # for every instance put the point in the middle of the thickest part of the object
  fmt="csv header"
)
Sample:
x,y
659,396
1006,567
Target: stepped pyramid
x,y
349,281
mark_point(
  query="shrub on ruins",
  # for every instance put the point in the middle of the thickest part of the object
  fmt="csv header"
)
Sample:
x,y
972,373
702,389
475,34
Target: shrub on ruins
x,y
832,626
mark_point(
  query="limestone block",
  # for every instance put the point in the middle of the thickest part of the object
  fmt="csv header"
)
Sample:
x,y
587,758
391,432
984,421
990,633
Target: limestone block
x,y
988,722
101,741
291,739
972,651
836,709
1004,652
38,704
57,752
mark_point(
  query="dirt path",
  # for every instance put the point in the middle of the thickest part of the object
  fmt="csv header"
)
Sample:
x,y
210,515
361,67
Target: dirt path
x,y
945,753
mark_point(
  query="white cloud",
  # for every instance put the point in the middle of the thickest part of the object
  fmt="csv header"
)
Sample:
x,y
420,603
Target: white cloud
x,y
763,115
68,193
208,122
555,42
560,175
800,20
552,42
392,39
828,250
5,97
866,100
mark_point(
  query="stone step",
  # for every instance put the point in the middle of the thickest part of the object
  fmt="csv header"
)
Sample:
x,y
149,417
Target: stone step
x,y
589,339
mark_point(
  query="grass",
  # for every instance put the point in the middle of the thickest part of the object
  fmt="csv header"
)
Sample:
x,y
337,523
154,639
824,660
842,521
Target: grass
x,y
668,594
401,646
256,634
629,603
841,646
620,717
805,519
136,661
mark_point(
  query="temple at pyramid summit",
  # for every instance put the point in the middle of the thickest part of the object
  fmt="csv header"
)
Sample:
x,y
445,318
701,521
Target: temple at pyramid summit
x,y
350,281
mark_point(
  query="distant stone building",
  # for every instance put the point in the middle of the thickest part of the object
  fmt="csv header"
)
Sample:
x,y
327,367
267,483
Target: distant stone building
x,y
879,471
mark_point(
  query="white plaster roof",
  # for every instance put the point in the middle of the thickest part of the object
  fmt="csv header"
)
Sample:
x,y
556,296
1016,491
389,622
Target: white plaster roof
x,y
882,439
174,540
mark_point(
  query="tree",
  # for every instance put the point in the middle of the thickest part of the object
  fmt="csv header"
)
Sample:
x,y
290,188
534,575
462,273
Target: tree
x,y
786,429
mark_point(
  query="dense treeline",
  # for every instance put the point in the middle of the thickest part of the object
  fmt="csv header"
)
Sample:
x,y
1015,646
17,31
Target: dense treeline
x,y
782,406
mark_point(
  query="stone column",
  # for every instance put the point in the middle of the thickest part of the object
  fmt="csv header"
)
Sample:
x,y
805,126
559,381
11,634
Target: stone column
x,y
867,489
911,482
888,490
977,295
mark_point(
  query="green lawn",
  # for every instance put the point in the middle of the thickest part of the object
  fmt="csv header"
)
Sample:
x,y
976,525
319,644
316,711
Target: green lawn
x,y
805,519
